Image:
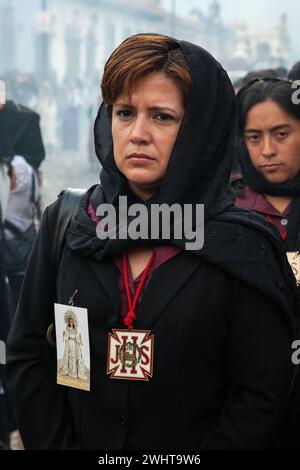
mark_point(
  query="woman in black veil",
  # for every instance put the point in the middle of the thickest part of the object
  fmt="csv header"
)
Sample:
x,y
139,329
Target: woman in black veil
x,y
190,348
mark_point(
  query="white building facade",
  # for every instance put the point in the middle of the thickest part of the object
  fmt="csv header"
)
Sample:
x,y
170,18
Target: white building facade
x,y
72,39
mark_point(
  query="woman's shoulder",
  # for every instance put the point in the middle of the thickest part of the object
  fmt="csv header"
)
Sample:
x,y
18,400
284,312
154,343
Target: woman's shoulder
x,y
57,215
66,199
254,254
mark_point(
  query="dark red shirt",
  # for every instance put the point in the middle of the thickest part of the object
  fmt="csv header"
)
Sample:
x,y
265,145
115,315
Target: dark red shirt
x,y
253,201
161,255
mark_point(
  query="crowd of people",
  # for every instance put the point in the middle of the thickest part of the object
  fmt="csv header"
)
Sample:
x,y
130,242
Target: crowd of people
x,y
172,129
21,153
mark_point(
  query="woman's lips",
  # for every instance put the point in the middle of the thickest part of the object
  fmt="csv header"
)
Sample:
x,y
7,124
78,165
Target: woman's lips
x,y
272,167
140,159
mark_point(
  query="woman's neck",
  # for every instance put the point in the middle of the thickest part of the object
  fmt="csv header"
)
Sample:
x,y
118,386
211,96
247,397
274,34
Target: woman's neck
x,y
279,202
144,191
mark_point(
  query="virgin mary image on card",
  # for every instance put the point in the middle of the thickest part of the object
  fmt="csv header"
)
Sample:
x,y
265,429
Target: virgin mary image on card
x,y
72,352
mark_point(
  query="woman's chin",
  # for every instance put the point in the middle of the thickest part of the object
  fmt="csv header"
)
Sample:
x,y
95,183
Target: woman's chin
x,y
144,188
276,179
143,179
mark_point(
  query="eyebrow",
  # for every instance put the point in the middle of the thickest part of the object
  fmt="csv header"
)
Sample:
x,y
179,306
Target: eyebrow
x,y
273,129
152,108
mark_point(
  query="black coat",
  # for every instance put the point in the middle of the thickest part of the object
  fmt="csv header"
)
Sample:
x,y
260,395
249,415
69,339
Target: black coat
x,y
21,133
222,358
7,423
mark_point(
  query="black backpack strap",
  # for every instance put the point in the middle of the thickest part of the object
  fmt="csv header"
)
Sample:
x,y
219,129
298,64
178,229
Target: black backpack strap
x,y
70,202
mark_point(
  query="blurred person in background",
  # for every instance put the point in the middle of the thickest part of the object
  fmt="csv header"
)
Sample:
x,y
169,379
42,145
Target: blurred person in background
x,y
7,182
47,108
294,73
20,221
5,412
269,155
71,118
21,125
13,131
249,77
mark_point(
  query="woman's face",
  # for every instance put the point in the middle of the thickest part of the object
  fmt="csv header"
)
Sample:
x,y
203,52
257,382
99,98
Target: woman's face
x,y
144,130
272,138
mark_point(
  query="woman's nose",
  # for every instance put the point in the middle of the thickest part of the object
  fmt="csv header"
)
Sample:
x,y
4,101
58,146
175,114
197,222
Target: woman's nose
x,y
268,147
140,131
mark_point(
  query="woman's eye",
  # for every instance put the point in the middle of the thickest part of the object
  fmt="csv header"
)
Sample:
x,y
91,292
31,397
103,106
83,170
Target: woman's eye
x,y
252,138
124,113
281,135
163,117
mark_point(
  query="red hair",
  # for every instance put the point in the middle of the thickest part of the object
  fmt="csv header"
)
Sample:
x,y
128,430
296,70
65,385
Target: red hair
x,y
140,55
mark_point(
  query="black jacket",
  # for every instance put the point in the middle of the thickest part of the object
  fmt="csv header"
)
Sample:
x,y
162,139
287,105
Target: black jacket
x,y
222,358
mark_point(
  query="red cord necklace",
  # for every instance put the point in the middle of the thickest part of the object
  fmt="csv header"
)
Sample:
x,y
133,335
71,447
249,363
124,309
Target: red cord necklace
x,y
131,352
131,316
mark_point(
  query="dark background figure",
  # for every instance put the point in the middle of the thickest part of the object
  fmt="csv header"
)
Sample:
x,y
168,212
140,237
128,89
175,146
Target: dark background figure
x,y
7,424
6,421
71,121
281,72
23,142
20,225
294,73
19,134
21,125
268,147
